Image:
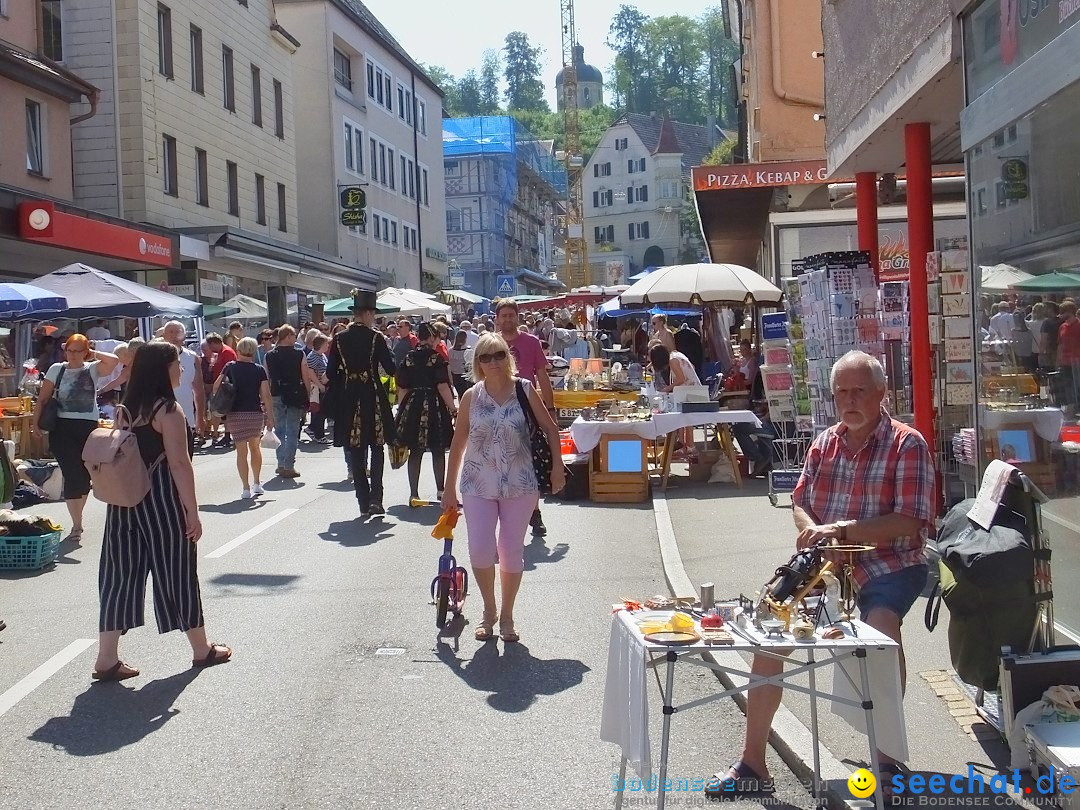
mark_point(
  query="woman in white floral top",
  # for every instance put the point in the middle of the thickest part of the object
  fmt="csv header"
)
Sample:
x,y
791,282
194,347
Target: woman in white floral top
x,y
492,451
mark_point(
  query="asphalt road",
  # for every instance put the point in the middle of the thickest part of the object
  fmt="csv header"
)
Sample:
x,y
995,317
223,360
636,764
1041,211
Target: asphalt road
x,y
340,693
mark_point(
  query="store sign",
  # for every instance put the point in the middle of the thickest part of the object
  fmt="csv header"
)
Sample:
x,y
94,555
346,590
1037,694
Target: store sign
x,y
894,261
457,277
353,200
212,289
434,253
183,290
41,222
1014,176
760,175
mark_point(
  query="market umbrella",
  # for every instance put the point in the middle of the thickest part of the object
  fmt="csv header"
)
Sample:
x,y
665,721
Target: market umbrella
x,y
246,308
462,296
1049,282
419,306
26,299
93,293
1000,277
699,284
340,306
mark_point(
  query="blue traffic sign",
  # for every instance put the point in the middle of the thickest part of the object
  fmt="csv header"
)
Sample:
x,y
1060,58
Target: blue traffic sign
x,y
505,286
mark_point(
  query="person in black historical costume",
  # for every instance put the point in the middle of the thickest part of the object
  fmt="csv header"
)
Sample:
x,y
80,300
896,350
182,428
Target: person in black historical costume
x,y
425,420
359,403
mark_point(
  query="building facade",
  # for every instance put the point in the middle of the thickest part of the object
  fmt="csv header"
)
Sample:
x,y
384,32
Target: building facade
x,y
197,135
636,194
590,82
501,188
368,116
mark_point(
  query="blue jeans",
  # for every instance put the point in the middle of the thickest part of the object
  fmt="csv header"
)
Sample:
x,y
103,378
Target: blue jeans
x,y
287,426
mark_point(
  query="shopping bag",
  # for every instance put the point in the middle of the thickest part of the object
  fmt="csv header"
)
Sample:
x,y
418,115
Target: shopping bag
x,y
314,398
270,441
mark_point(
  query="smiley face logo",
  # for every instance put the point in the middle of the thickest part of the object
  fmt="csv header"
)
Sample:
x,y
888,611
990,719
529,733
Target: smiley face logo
x,y
861,783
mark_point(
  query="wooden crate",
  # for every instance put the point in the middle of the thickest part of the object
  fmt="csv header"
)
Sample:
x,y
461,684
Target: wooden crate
x,y
617,487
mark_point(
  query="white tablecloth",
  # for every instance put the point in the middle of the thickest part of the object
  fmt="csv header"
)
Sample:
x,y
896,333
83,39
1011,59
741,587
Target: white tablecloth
x,y
625,717
587,434
1047,422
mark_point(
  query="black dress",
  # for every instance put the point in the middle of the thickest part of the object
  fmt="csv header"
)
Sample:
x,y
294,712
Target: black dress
x,y
424,422
357,399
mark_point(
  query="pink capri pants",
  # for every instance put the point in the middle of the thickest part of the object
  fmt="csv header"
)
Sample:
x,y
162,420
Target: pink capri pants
x,y
512,516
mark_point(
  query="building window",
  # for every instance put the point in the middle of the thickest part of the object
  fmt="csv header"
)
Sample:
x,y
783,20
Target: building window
x,y
393,232
168,165
232,182
641,194
638,230
256,96
354,148
279,110
202,192
425,185
227,73
260,199
35,139
378,226
370,80
390,160
281,223
343,69
405,103
52,30
412,180
421,117
404,177
195,38
382,163
164,41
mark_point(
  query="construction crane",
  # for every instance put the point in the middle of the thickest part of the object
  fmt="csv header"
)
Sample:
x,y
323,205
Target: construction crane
x,y
576,267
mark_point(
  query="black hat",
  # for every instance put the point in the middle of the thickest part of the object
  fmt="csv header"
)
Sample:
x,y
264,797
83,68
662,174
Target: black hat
x,y
364,299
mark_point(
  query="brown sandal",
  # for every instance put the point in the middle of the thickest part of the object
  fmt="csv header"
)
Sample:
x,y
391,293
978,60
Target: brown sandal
x,y
117,672
507,633
213,658
485,632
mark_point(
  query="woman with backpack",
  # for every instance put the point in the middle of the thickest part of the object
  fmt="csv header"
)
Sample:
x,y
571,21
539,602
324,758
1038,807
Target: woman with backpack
x,y
74,383
158,534
252,409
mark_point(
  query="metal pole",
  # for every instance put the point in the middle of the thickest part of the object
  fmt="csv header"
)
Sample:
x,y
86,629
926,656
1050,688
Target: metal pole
x,y
665,739
920,211
622,783
867,215
812,674
868,708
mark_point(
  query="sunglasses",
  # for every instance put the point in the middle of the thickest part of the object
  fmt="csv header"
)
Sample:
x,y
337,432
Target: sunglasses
x,y
495,357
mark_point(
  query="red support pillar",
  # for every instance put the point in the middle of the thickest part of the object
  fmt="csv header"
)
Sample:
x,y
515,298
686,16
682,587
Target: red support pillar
x,y
920,212
867,216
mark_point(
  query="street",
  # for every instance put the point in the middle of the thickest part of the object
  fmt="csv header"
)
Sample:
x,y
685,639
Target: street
x,y
339,693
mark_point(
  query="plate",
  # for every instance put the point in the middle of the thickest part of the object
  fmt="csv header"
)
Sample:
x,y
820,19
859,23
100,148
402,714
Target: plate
x,y
642,616
671,637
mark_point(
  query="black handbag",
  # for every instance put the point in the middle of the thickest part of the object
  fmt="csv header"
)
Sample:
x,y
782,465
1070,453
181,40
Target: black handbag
x,y
541,450
221,401
50,410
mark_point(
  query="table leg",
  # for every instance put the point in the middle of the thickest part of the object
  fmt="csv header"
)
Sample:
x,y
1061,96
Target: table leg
x,y
669,448
622,784
868,707
728,446
812,676
665,738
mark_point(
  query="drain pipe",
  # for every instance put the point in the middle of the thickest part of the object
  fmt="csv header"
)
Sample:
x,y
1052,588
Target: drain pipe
x,y
92,97
777,69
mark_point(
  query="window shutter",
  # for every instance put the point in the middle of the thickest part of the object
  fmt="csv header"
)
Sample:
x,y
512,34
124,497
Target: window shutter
x,y
596,199
596,235
641,168
596,170
629,194
610,197
630,166
644,193
611,233
631,228
644,230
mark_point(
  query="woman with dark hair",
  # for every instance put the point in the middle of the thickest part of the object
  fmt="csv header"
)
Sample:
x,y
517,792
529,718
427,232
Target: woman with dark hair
x,y
425,420
157,535
74,383
670,370
459,362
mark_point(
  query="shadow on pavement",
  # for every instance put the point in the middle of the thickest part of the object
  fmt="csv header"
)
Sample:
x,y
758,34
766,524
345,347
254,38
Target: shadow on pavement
x,y
278,484
107,717
680,487
337,486
515,678
537,551
237,507
355,532
255,580
420,515
453,630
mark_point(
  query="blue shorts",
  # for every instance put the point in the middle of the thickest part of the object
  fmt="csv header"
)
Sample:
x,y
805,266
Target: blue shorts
x,y
896,591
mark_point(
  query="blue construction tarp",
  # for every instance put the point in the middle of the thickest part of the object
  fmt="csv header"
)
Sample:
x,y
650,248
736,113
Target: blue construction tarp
x,y
491,135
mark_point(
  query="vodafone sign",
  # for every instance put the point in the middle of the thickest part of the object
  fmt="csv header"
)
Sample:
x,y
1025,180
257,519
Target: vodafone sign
x,y
39,221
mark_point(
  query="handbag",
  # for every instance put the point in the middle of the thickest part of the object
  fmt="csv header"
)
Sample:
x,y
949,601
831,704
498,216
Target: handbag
x,y
221,401
270,441
541,450
50,410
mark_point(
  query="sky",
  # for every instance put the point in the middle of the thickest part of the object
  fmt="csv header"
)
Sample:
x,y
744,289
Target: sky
x,y
455,33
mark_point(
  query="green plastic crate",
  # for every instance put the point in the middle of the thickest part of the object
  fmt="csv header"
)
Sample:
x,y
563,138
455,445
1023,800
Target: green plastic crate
x,y
28,553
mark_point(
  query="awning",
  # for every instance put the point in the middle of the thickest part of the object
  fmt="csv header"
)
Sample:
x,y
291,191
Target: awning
x,y
93,293
615,309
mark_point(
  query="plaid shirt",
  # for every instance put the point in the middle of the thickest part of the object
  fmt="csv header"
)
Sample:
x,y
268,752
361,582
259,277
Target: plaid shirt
x,y
891,472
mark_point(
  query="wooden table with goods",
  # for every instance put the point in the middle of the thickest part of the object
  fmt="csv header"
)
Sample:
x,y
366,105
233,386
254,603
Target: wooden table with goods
x,y
568,404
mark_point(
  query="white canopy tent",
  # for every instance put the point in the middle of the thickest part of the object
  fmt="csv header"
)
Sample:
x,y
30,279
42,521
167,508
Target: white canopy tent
x,y
409,306
1000,278
249,309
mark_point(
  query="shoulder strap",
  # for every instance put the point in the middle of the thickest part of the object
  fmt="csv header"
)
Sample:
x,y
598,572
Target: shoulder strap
x,y
933,607
523,401
59,377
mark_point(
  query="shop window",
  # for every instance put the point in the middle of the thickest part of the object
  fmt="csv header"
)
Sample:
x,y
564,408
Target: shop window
x,y
35,139
168,165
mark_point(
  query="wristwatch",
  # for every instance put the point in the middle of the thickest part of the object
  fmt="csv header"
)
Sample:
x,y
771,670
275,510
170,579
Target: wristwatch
x,y
843,524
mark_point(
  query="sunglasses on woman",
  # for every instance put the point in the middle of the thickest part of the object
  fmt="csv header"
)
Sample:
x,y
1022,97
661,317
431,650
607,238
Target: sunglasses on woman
x,y
494,357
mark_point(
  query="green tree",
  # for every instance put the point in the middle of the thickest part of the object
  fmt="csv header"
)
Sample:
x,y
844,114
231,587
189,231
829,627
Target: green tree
x,y
674,45
490,69
720,54
629,83
722,153
448,84
524,90
470,101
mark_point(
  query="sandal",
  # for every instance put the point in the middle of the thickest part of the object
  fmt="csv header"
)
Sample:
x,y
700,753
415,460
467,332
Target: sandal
x,y
485,631
507,633
213,658
746,781
117,672
75,535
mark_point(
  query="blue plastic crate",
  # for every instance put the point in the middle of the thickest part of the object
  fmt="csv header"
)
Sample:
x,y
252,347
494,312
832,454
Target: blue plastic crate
x,y
28,553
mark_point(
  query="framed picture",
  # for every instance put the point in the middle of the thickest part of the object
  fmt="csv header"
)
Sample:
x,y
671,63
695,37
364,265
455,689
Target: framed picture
x,y
1016,445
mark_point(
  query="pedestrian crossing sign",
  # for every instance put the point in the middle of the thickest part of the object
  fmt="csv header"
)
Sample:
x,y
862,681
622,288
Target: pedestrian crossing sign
x,y
504,286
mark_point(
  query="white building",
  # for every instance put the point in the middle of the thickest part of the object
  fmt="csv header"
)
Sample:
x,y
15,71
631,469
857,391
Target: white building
x,y
635,189
367,115
195,133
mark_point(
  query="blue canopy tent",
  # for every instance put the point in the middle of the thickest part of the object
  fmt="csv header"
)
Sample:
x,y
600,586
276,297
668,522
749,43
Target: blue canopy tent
x,y
614,309
645,272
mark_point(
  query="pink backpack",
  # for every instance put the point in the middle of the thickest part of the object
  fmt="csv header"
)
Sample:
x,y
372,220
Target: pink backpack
x,y
117,471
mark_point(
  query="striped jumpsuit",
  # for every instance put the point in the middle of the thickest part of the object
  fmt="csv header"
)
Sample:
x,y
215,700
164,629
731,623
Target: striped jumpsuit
x,y
149,538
